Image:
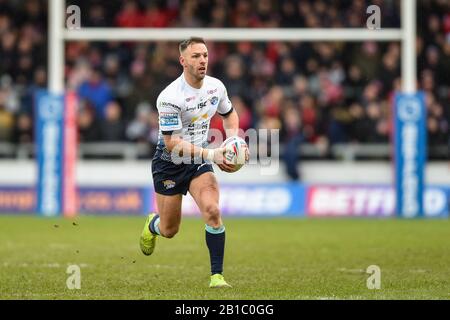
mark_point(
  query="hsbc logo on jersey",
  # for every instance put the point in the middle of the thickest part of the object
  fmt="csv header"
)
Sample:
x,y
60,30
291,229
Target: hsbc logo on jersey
x,y
168,119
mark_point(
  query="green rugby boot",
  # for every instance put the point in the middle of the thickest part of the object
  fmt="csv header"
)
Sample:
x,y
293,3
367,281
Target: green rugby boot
x,y
217,281
148,239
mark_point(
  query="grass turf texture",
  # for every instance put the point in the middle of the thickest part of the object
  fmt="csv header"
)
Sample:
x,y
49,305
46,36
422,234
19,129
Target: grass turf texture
x,y
265,259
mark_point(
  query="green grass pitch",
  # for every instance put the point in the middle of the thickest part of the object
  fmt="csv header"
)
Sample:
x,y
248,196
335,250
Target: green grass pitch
x,y
267,258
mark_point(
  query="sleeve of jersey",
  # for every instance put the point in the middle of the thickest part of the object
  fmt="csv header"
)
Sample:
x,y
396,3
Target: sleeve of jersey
x,y
225,107
169,116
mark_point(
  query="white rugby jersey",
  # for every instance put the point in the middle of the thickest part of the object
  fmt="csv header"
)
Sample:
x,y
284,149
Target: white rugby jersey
x,y
187,110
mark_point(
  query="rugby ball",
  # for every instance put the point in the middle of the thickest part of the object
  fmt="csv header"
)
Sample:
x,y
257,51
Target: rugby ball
x,y
235,148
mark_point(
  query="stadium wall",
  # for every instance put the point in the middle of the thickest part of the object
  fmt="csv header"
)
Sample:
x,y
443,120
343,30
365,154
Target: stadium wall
x,y
138,173
329,189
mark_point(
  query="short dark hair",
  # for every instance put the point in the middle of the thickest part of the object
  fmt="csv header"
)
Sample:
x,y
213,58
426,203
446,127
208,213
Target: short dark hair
x,y
185,43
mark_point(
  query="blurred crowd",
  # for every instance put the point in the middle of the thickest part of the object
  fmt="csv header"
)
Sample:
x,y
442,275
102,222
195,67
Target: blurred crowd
x,y
319,93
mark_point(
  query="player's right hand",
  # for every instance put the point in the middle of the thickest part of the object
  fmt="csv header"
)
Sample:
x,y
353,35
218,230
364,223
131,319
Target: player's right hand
x,y
217,156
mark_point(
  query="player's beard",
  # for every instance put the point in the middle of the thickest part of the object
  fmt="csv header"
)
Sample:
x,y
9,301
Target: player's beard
x,y
195,73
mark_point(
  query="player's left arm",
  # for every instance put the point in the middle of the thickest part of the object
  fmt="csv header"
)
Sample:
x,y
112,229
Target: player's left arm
x,y
230,118
228,114
231,126
231,123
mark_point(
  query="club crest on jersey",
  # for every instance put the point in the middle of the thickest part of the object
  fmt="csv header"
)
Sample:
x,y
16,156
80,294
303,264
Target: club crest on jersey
x,y
168,184
214,100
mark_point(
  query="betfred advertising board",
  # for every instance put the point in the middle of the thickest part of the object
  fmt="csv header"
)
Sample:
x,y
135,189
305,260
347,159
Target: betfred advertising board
x,y
369,201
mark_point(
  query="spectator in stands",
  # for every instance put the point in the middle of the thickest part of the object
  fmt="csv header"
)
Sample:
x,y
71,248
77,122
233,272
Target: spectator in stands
x,y
289,16
287,71
88,125
341,91
112,127
39,83
96,16
291,135
438,124
188,17
219,16
367,58
234,78
8,51
156,15
308,115
97,92
139,129
266,16
130,16
6,121
23,129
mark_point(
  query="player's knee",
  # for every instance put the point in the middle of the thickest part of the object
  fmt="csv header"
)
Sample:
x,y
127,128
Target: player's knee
x,y
213,215
169,232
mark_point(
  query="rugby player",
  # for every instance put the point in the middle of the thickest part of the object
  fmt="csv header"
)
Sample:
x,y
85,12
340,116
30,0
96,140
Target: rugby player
x,y
185,109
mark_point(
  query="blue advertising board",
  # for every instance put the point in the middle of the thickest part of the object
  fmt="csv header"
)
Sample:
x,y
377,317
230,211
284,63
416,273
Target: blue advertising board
x,y
114,200
17,199
49,134
263,199
277,199
256,200
410,153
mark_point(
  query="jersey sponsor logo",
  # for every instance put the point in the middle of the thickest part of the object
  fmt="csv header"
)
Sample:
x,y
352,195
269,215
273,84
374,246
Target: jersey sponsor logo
x,y
199,106
214,100
168,119
189,99
202,104
212,91
168,104
168,184
203,116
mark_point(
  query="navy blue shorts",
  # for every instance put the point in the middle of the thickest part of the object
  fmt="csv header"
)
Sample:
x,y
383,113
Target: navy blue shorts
x,y
170,178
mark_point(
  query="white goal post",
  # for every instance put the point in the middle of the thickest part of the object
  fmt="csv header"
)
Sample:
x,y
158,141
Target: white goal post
x,y
58,34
